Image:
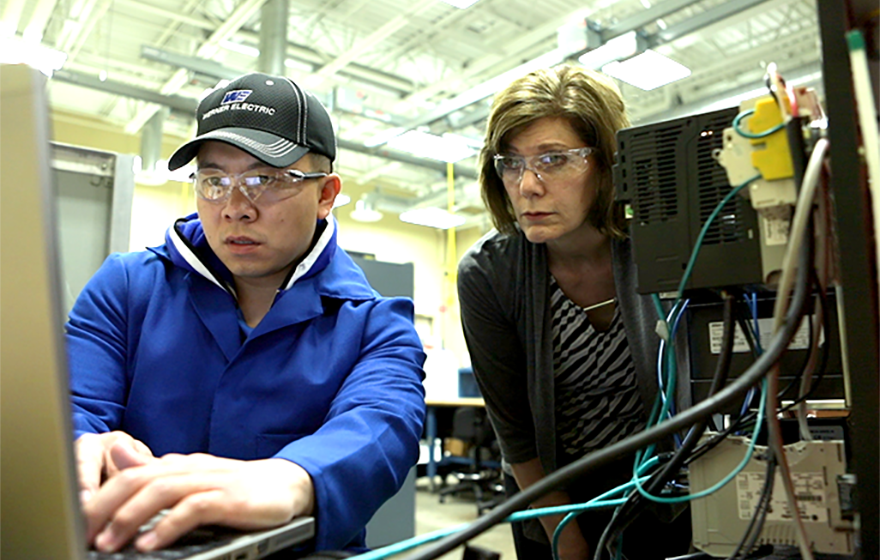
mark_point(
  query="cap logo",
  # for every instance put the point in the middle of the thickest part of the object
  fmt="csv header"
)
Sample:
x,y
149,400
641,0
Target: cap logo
x,y
236,96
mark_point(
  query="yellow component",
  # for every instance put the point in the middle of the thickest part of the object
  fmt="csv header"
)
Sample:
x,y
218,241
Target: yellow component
x,y
774,161
451,250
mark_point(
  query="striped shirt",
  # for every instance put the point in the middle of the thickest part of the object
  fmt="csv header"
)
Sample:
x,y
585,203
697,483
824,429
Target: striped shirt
x,y
597,400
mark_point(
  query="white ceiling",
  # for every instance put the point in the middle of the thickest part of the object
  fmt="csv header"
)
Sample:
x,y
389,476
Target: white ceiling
x,y
404,61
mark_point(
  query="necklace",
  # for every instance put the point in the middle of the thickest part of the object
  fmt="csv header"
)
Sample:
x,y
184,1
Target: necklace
x,y
600,304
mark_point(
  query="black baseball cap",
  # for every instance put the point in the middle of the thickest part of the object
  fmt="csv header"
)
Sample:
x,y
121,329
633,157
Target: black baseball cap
x,y
270,117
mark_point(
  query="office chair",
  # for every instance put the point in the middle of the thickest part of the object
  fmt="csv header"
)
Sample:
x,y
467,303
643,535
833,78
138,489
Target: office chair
x,y
481,477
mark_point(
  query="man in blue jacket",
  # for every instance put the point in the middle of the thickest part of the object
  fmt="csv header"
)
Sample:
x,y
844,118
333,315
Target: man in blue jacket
x,y
244,373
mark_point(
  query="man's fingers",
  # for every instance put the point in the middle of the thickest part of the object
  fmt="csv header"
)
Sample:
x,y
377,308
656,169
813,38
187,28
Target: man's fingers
x,y
89,465
127,454
134,496
202,508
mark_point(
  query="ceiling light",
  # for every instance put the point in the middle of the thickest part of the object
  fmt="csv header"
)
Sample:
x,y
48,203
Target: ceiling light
x,y
423,144
159,174
462,4
341,200
432,217
364,212
384,136
622,46
647,71
14,50
297,65
247,50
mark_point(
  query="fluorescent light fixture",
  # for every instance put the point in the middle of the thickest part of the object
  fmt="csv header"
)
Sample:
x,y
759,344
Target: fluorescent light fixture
x,y
181,174
14,50
160,174
647,71
432,217
297,65
462,4
364,212
246,50
384,136
341,200
474,143
620,47
423,144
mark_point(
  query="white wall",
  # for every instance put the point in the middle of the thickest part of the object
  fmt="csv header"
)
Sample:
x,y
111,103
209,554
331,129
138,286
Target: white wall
x,y
154,209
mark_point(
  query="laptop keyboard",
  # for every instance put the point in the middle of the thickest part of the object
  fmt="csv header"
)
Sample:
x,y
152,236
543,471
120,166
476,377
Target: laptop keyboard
x,y
197,541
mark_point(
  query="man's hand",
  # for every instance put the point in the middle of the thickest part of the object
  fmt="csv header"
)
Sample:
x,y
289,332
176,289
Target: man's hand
x,y
101,456
197,490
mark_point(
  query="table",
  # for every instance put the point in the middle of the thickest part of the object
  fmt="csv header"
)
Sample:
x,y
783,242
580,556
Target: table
x,y
431,427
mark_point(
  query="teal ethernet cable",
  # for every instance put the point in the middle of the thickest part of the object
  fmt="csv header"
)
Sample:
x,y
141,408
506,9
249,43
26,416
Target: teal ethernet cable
x,y
676,306
600,501
576,510
660,410
721,483
753,135
644,461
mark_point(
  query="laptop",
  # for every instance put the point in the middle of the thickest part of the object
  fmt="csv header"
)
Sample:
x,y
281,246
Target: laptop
x,y
39,502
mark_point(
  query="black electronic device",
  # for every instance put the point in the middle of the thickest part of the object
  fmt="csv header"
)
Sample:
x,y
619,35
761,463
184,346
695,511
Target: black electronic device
x,y
702,331
668,175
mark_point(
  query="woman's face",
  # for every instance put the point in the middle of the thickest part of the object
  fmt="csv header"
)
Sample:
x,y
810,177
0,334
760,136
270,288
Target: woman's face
x,y
550,206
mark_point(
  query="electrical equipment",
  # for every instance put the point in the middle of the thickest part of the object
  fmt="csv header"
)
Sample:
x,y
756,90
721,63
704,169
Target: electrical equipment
x,y
761,149
703,330
668,175
819,473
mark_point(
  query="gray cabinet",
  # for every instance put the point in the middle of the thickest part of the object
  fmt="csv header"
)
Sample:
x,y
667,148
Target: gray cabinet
x,y
94,192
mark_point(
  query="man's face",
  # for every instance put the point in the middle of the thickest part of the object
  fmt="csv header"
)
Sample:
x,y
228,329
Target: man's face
x,y
259,242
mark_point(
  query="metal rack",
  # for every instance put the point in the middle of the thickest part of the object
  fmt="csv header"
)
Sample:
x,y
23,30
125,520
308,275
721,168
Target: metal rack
x,y
858,268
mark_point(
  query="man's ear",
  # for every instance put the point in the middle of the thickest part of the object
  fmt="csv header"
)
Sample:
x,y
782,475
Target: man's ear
x,y
330,187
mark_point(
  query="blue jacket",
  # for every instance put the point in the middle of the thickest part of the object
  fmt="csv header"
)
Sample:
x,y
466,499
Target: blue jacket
x,y
330,379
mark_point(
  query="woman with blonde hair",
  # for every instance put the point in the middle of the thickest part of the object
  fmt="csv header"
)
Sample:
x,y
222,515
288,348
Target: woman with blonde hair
x,y
561,345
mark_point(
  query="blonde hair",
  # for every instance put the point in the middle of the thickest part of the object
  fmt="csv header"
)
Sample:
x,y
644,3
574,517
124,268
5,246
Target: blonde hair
x,y
593,106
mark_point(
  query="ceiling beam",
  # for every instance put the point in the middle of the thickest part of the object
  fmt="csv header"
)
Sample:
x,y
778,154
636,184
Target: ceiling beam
x,y
371,40
809,75
12,15
395,85
173,15
188,105
177,102
643,18
512,49
194,63
79,38
39,18
633,23
699,21
208,49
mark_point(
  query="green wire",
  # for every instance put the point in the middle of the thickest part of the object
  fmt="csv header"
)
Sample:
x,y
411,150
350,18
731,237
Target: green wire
x,y
643,462
721,483
753,135
670,362
600,501
690,266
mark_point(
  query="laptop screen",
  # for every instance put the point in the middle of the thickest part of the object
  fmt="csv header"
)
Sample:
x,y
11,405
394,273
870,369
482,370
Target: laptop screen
x,y
37,484
38,487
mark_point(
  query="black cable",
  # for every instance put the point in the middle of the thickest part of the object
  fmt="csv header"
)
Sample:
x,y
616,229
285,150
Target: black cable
x,y
635,442
805,263
636,503
819,374
756,524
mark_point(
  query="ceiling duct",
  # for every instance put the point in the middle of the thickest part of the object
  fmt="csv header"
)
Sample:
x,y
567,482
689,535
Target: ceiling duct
x,y
151,140
273,37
